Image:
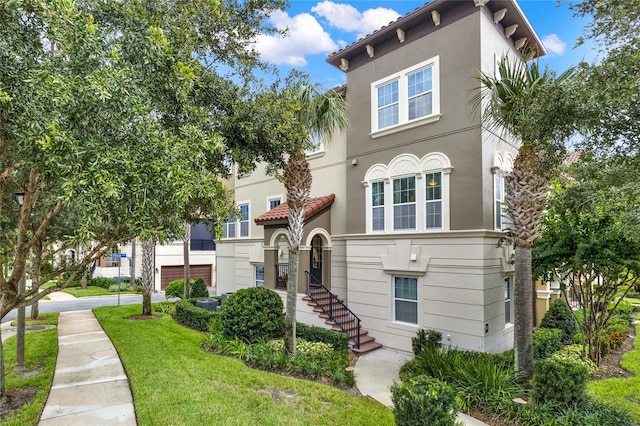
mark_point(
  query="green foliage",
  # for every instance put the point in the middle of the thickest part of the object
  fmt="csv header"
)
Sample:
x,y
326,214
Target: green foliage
x,y
546,341
252,314
104,282
623,309
164,308
481,379
192,316
559,381
577,354
613,335
199,289
426,339
560,316
424,400
339,341
175,289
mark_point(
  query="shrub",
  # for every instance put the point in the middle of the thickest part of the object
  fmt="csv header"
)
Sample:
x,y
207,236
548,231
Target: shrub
x,y
254,313
546,341
559,381
623,310
164,307
191,316
199,289
560,316
423,400
175,289
426,339
577,354
339,341
613,335
104,282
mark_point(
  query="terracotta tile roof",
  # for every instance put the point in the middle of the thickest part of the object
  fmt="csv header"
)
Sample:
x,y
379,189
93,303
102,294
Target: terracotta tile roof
x,y
572,156
280,214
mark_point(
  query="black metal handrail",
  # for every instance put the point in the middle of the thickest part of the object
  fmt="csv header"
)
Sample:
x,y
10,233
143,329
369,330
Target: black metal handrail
x,y
341,310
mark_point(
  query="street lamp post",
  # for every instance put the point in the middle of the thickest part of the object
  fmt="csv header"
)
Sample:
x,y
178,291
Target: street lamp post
x,y
20,365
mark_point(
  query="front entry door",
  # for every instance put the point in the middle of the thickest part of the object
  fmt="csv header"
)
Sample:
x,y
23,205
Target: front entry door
x,y
316,260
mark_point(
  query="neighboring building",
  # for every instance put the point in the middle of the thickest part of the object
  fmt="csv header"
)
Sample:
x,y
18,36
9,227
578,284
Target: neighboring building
x,y
407,210
169,259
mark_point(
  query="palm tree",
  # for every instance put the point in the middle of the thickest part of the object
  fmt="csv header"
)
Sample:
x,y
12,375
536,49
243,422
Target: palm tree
x,y
528,104
322,115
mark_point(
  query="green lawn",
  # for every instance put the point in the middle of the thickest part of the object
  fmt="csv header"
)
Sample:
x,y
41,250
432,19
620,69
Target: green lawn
x,y
174,382
622,393
43,319
89,291
41,350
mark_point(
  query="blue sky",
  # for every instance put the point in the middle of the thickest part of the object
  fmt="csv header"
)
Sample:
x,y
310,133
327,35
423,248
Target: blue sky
x,y
319,27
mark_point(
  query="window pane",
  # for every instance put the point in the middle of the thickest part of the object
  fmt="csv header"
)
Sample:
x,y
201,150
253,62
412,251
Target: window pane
x,y
434,214
420,106
377,194
378,219
419,86
405,293
507,300
231,230
259,276
498,214
388,108
407,311
404,216
388,116
274,203
406,288
433,186
388,94
245,212
404,190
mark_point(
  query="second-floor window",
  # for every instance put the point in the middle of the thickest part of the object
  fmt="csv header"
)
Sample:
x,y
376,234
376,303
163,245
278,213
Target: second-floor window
x,y
408,96
404,203
377,206
244,220
230,227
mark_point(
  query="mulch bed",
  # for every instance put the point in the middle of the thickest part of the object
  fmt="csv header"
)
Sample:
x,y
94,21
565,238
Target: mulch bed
x,y
144,317
14,399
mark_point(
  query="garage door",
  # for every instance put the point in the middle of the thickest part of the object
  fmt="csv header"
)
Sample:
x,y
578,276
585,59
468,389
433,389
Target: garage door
x,y
171,273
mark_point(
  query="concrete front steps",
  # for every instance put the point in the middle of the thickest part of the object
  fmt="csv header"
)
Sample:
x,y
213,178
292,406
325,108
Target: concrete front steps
x,y
342,320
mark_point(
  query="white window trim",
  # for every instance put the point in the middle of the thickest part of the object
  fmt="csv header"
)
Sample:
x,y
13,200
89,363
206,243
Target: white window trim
x,y
393,300
441,200
239,221
226,229
509,323
416,182
255,275
383,206
403,98
503,164
272,198
397,168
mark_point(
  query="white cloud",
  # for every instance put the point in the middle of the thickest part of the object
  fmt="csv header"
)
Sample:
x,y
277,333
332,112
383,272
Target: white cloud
x,y
347,18
553,44
305,36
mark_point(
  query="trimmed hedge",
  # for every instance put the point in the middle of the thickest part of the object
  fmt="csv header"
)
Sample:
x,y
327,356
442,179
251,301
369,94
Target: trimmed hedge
x,y
189,315
426,340
103,282
560,382
252,314
199,289
175,288
546,341
339,341
560,316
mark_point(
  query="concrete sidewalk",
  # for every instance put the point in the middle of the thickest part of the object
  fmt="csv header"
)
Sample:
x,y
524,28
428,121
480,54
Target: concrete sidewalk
x,y
90,386
376,371
59,296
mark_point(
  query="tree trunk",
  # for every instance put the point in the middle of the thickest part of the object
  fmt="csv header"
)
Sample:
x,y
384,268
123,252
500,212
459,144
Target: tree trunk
x,y
185,253
36,275
132,279
292,295
523,313
2,380
148,247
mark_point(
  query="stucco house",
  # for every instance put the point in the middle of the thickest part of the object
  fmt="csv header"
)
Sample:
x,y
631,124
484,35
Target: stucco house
x,y
406,213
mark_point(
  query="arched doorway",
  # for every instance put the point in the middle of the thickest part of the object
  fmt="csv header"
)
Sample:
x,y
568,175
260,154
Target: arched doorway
x,y
315,261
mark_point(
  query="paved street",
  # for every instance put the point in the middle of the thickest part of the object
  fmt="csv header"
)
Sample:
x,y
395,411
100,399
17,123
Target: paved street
x,y
83,303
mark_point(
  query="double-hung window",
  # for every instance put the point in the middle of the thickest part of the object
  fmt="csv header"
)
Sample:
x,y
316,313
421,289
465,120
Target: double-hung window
x,y
507,301
404,203
502,221
274,202
407,96
230,227
405,299
259,274
433,200
377,206
244,220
